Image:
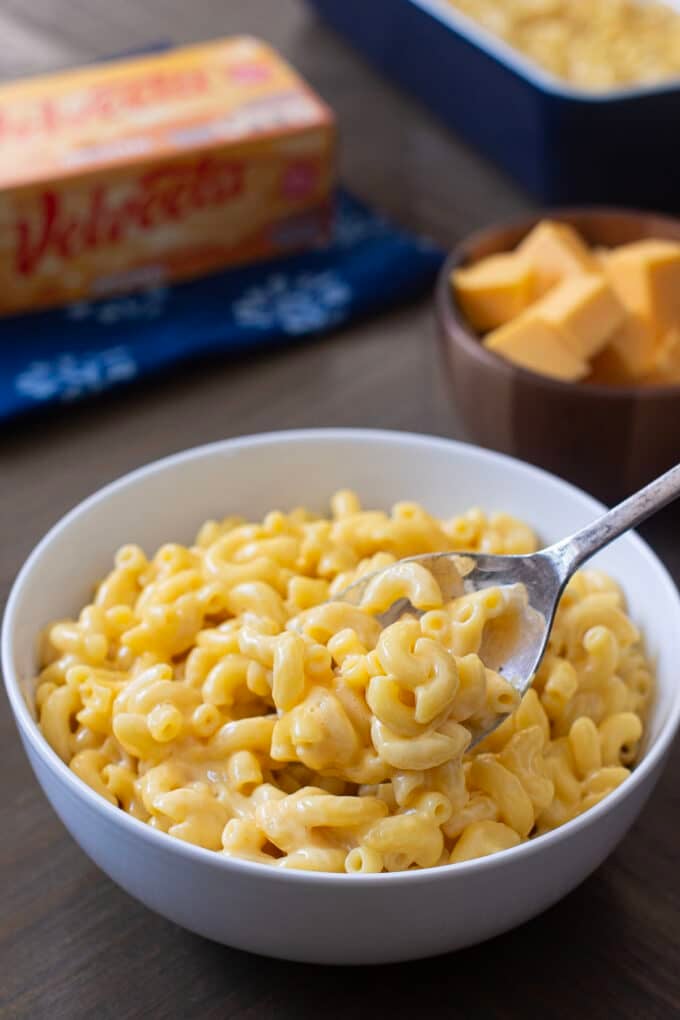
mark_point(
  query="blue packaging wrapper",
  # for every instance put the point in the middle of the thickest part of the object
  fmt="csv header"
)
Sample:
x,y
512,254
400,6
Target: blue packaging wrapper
x,y
77,351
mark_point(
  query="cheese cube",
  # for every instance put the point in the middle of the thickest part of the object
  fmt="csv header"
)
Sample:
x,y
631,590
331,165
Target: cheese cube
x,y
601,255
556,252
537,345
494,290
668,360
667,366
635,344
587,311
630,353
646,276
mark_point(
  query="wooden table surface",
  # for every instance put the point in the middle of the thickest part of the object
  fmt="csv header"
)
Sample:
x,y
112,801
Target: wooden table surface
x,y
71,943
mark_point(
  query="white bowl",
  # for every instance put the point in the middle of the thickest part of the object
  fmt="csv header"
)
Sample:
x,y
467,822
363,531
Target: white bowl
x,y
328,918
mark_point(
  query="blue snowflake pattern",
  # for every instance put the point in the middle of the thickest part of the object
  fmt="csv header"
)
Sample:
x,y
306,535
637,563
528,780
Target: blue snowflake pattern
x,y
69,376
295,305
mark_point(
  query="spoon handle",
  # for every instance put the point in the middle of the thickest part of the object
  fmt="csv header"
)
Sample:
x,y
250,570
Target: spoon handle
x,y
571,552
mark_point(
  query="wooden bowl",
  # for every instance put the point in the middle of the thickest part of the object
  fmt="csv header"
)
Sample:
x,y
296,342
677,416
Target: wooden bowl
x,y
609,440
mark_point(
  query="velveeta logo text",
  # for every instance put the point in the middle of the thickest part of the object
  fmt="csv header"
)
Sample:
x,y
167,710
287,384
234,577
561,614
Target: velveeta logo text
x,y
107,101
160,195
97,103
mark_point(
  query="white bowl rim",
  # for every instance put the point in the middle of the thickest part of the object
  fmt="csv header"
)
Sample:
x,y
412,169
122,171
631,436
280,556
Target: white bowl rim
x,y
135,827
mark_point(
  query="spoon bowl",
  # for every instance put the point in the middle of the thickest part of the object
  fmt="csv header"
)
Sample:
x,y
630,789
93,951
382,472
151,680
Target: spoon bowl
x,y
512,645
534,583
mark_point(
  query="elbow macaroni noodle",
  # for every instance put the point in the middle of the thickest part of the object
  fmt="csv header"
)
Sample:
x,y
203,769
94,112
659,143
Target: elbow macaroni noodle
x,y
220,694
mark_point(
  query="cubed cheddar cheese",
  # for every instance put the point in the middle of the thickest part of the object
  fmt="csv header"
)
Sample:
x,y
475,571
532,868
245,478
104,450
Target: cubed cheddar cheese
x,y
559,308
555,252
610,367
646,277
632,349
586,311
601,255
667,365
538,345
494,290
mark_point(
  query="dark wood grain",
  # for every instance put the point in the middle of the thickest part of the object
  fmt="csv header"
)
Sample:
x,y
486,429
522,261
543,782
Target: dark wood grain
x,y
610,440
71,944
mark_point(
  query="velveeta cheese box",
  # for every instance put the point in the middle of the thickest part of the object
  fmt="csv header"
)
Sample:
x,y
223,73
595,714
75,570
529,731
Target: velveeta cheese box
x,y
158,168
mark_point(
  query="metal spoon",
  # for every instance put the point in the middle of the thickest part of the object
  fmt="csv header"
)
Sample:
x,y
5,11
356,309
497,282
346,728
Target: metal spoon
x,y
517,653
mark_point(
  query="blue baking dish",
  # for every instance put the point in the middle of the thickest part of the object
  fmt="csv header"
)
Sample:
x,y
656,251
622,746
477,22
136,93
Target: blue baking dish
x,y
563,144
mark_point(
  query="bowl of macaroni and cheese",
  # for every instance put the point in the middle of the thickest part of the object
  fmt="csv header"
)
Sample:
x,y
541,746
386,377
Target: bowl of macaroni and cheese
x,y
262,762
